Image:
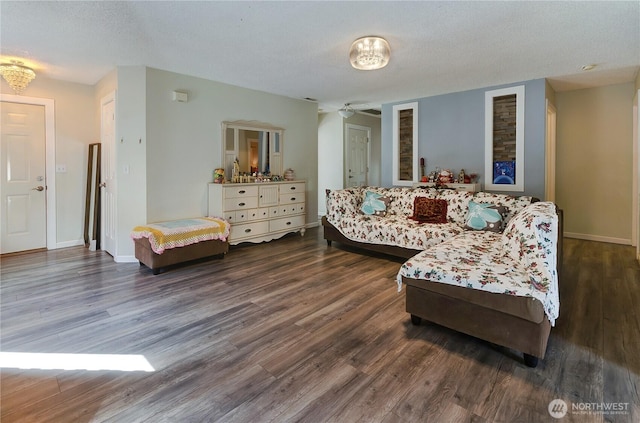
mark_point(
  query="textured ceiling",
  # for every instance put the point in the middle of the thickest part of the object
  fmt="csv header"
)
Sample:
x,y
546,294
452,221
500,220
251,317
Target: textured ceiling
x,y
300,49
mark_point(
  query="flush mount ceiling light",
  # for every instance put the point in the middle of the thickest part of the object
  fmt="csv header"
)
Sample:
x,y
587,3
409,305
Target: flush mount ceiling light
x,y
369,53
588,67
17,75
346,111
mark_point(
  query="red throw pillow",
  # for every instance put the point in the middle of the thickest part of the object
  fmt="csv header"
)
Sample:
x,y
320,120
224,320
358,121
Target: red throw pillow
x,y
429,210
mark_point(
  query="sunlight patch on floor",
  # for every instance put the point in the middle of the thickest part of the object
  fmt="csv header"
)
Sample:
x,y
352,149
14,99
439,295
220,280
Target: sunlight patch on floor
x,y
60,361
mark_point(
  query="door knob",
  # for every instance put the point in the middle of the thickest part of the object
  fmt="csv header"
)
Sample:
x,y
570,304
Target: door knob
x,y
103,185
38,188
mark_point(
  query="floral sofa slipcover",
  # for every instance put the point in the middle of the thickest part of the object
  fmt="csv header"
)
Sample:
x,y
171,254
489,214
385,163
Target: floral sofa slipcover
x,y
396,228
497,286
521,261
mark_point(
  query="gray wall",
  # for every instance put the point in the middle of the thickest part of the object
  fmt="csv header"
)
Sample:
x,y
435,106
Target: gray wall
x,y
451,133
185,140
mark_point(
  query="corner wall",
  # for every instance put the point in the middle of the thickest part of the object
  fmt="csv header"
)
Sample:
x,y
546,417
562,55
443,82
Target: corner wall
x,y
594,162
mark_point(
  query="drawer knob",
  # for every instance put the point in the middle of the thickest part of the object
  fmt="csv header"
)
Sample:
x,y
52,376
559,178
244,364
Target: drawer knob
x,y
242,191
292,188
242,204
288,223
293,198
247,231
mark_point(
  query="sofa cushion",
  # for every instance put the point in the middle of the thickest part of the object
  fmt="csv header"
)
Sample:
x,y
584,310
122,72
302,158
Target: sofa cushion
x,y
429,210
374,204
343,202
485,217
396,230
478,260
513,204
402,198
531,238
457,204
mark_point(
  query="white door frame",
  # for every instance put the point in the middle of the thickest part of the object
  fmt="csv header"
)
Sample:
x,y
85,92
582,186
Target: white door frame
x,y
108,152
347,127
550,152
50,158
635,212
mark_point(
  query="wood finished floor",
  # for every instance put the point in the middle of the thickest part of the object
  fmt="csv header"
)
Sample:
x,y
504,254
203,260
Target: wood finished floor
x,y
294,330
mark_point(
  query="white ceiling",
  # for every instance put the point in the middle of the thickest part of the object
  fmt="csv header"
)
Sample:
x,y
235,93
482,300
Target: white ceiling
x,y
300,49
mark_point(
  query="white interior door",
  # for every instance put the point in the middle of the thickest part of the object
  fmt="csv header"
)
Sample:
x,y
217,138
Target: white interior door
x,y
357,155
108,174
23,213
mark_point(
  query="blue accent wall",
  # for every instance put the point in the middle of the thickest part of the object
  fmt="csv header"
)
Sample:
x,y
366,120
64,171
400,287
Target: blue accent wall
x,y
451,134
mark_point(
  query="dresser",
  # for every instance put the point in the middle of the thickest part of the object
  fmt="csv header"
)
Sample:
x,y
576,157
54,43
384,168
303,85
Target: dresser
x,y
259,211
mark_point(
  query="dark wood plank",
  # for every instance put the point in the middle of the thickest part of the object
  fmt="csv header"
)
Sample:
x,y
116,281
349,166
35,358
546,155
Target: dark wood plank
x,y
294,330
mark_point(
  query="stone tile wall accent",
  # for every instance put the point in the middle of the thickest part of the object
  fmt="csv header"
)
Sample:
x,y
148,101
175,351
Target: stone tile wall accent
x,y
504,128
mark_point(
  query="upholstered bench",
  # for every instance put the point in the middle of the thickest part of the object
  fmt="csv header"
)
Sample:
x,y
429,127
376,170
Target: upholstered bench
x,y
163,244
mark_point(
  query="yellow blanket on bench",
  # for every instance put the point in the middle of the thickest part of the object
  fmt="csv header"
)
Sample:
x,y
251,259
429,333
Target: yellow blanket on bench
x,y
178,233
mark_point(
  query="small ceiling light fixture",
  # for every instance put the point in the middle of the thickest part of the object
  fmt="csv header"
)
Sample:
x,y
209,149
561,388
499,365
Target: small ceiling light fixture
x,y
588,67
346,111
17,75
369,53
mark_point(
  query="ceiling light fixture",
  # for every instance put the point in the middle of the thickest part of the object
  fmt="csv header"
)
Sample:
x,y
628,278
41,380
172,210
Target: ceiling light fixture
x,y
17,75
346,111
369,53
588,67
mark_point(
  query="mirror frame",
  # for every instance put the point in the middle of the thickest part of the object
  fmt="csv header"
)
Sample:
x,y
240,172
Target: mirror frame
x,y
275,151
396,144
488,139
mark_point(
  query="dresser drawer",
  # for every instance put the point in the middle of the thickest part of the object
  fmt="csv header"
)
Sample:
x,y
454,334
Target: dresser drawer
x,y
291,222
240,203
246,230
292,187
240,192
290,209
293,197
242,215
286,210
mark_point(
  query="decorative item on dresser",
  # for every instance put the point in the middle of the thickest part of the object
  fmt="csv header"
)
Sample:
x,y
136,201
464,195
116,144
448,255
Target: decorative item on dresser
x,y
260,211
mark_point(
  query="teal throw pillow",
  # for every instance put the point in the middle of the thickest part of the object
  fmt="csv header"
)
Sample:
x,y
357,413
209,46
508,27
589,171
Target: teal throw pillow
x,y
485,217
374,204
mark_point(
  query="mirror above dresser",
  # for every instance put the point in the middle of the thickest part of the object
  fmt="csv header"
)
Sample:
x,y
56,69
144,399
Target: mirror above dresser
x,y
257,147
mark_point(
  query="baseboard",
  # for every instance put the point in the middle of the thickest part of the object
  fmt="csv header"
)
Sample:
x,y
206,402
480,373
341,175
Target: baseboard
x,y
312,225
125,259
66,244
598,238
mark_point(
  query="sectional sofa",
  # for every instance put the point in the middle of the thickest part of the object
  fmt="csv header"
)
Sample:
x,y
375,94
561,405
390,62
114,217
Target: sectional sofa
x,y
487,266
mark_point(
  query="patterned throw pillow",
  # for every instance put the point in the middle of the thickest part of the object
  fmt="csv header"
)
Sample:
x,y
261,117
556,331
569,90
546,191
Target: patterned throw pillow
x,y
429,210
374,204
485,217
